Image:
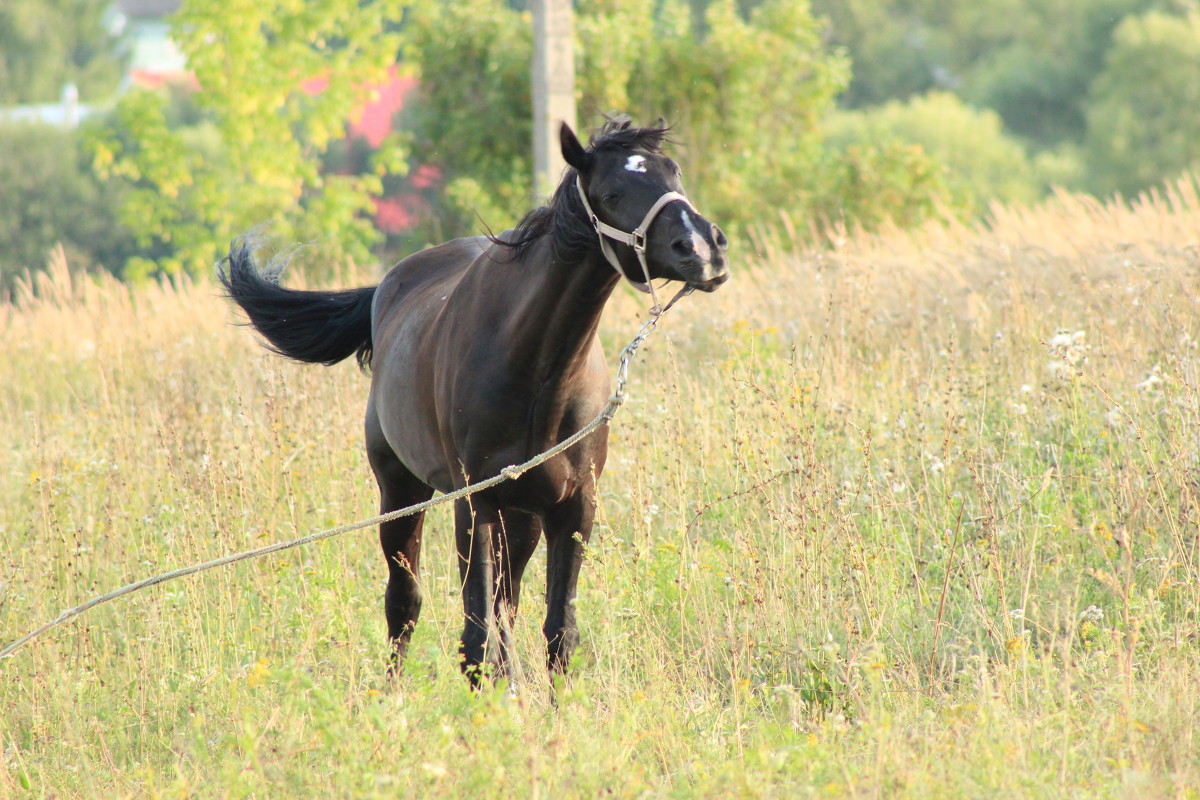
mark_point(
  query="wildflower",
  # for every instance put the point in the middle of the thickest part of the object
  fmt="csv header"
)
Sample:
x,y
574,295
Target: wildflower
x,y
1069,350
258,673
1152,381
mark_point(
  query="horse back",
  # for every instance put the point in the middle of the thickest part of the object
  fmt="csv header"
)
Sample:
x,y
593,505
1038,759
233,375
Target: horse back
x,y
436,269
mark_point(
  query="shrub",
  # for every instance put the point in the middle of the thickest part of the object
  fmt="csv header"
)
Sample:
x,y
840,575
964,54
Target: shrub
x,y
49,197
980,162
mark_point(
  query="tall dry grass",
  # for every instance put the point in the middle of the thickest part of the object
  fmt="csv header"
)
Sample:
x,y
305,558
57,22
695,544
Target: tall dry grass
x,y
913,515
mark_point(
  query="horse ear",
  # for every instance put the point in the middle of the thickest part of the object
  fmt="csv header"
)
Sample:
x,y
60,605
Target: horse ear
x,y
572,150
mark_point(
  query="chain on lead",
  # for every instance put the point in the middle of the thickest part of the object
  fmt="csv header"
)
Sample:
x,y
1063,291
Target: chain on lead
x,y
627,357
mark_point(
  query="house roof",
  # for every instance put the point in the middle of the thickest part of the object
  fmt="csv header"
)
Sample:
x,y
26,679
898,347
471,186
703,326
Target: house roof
x,y
147,8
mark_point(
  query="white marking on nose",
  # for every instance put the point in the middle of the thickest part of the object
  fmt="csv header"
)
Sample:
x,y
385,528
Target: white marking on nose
x,y
699,246
636,164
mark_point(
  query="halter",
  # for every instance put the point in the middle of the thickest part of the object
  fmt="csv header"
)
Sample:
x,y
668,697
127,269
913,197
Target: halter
x,y
635,239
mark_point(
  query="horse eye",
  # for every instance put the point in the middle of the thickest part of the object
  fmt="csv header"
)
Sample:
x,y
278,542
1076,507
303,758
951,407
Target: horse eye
x,y
610,199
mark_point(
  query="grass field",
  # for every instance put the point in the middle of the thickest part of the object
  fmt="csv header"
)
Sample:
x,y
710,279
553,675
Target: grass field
x,y
910,516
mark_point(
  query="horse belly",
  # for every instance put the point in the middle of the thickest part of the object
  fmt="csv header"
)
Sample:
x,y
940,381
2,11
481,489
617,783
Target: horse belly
x,y
402,397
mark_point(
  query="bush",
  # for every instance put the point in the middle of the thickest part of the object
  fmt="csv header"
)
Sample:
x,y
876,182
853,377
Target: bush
x,y
869,184
49,197
979,162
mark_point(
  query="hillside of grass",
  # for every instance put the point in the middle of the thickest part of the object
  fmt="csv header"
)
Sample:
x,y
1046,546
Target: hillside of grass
x,y
912,515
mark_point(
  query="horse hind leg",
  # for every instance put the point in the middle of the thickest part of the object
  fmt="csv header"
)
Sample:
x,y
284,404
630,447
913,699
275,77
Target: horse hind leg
x,y
401,542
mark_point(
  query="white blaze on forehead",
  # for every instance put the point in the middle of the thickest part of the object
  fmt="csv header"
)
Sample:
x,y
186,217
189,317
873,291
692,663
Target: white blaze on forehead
x,y
636,164
699,246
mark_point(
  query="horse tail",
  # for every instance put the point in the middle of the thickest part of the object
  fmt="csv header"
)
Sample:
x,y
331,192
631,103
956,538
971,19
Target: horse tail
x,y
314,327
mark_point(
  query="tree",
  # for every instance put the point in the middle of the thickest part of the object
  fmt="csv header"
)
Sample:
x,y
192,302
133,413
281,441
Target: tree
x,y
46,44
1039,79
473,118
1032,61
746,95
895,52
1144,116
278,81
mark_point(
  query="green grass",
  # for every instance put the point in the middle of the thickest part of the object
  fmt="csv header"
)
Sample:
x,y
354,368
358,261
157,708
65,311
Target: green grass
x,y
912,516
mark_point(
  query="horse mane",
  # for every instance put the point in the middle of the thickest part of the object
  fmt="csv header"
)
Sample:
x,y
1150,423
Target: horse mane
x,y
564,218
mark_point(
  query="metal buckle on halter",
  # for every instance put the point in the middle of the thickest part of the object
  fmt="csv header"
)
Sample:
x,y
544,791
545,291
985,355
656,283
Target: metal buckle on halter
x,y
639,241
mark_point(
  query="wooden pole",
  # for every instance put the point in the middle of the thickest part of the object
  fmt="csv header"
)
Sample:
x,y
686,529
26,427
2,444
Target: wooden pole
x,y
553,89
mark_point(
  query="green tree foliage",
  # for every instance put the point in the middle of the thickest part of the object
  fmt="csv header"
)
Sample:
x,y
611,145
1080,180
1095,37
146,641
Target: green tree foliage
x,y
1038,76
746,95
278,81
977,160
1144,121
871,182
895,52
48,196
473,119
45,44
1032,61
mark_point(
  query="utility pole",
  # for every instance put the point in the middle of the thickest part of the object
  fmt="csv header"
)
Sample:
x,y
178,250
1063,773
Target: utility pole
x,y
553,88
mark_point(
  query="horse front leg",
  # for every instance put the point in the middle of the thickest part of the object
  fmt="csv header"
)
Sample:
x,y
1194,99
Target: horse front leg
x,y
568,529
520,533
476,528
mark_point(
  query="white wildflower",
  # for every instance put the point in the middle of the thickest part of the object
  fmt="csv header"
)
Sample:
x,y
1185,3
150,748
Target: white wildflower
x,y
1152,381
1068,349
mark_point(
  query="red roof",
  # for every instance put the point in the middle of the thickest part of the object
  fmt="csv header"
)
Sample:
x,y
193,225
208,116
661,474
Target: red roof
x,y
375,121
154,79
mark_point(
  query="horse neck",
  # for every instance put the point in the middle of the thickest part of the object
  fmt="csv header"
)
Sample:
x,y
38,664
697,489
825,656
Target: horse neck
x,y
559,320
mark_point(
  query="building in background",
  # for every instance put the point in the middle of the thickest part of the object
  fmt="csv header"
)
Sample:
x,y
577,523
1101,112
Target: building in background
x,y
154,59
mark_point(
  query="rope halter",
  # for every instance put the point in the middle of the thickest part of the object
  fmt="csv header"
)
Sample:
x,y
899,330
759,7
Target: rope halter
x,y
635,239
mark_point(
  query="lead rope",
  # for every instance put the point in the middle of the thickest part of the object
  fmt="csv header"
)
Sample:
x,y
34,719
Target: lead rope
x,y
508,473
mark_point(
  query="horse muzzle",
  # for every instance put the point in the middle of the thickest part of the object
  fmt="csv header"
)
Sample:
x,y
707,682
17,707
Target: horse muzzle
x,y
703,254
710,284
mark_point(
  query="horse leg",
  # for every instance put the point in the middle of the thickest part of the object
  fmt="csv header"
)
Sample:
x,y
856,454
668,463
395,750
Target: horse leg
x,y
511,552
568,529
476,526
401,542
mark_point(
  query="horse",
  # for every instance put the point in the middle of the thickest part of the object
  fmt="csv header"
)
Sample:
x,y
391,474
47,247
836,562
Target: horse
x,y
483,352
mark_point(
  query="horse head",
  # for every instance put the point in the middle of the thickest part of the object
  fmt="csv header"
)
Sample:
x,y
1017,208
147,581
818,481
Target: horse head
x,y
633,195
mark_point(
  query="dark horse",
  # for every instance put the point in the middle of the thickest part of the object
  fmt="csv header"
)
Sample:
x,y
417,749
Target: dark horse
x,y
483,353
